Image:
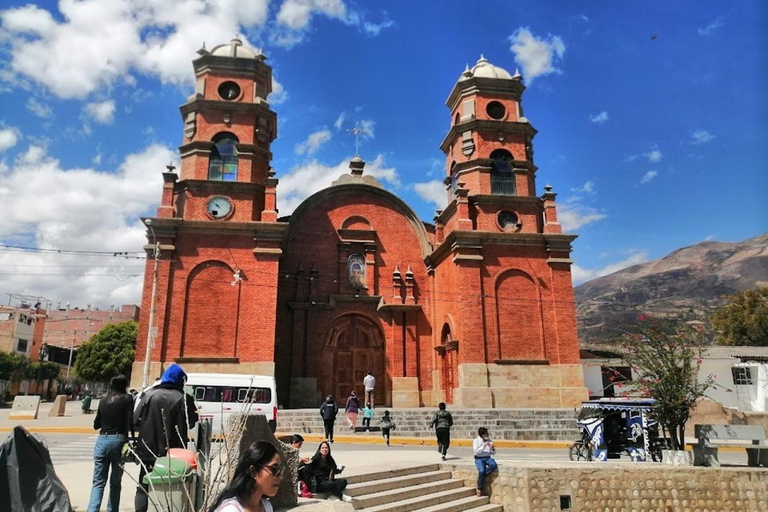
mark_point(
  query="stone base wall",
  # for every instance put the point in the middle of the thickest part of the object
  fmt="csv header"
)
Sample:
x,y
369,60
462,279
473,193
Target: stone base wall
x,y
520,385
530,487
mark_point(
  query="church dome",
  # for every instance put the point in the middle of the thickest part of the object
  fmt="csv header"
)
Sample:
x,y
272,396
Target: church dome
x,y
485,69
235,48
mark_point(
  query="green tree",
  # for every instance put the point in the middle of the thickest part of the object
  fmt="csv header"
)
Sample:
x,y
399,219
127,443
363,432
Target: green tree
x,y
13,368
667,365
109,353
744,319
41,371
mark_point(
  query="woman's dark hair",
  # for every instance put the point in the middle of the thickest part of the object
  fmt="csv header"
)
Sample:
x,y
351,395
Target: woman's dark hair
x,y
441,406
329,459
243,484
296,438
482,431
119,384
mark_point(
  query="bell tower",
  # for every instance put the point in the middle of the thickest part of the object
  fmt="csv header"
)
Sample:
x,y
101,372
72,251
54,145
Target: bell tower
x,y
516,322
228,129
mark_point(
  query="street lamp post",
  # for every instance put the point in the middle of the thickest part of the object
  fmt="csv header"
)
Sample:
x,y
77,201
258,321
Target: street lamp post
x,y
71,351
152,308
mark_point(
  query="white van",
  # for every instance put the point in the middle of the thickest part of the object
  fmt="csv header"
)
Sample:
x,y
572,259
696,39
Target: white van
x,y
218,395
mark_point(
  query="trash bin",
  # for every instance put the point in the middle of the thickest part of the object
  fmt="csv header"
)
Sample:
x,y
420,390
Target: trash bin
x,y
170,485
86,404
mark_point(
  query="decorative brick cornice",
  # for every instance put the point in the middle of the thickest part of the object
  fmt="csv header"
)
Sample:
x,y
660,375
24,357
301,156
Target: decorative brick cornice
x,y
486,124
485,86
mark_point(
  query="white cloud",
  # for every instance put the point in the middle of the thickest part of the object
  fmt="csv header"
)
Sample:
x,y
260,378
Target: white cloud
x,y
587,188
340,121
41,110
653,156
536,56
580,274
304,180
711,28
313,142
8,137
648,177
279,94
374,29
84,209
573,215
600,118
366,127
432,192
102,112
700,137
296,14
94,44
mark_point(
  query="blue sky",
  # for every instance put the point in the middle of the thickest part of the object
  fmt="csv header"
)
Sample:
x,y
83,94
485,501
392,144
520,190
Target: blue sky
x,y
651,116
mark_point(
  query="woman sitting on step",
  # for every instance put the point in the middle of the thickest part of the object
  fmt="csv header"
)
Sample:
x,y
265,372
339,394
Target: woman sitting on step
x,y
324,469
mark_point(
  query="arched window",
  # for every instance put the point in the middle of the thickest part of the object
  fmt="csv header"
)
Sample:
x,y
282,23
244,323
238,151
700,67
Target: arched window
x,y
502,175
222,165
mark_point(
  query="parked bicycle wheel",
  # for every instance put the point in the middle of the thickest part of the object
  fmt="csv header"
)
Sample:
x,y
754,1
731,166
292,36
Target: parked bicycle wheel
x,y
579,451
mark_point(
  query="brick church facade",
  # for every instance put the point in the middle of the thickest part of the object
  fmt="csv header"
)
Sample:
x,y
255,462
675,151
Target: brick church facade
x,y
475,309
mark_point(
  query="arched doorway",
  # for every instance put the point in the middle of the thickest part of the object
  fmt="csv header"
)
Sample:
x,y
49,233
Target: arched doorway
x,y
448,352
354,345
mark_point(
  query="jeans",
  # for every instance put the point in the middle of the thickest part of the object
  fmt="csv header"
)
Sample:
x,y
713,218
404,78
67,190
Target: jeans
x,y
328,424
335,487
106,453
485,466
367,423
443,440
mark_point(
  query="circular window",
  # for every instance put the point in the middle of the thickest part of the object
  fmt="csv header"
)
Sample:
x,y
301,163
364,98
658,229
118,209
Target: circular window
x,y
229,91
508,221
495,110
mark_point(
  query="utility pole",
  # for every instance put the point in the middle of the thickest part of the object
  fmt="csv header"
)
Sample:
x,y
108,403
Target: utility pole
x,y
71,351
152,308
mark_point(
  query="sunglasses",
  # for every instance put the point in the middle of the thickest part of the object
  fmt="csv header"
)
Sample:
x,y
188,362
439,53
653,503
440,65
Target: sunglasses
x,y
277,470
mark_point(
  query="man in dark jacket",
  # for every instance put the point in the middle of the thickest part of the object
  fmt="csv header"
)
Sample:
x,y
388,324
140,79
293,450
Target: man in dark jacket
x,y
328,411
442,421
164,412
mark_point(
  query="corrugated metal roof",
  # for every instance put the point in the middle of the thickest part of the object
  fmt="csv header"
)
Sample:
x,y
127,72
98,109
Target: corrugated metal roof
x,y
735,352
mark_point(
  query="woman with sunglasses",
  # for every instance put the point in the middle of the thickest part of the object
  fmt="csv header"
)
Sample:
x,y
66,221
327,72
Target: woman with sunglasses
x,y
257,477
324,469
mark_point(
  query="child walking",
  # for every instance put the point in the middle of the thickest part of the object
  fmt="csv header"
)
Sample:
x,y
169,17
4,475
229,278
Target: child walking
x,y
386,424
367,417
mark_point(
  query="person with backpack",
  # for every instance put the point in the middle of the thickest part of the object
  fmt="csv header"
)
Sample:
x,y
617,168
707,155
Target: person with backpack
x,y
328,411
387,424
442,422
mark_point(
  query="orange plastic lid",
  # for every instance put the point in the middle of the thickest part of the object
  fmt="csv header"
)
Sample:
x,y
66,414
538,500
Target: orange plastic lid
x,y
184,454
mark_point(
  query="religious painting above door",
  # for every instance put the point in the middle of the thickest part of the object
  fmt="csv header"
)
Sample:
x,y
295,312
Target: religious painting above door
x,y
356,271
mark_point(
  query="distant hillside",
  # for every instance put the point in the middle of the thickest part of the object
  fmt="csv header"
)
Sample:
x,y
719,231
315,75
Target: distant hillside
x,y
687,284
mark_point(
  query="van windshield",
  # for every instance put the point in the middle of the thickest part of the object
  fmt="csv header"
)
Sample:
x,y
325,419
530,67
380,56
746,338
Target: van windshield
x,y
227,394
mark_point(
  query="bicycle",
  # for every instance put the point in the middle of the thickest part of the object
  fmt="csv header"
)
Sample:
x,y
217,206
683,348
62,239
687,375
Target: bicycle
x,y
580,450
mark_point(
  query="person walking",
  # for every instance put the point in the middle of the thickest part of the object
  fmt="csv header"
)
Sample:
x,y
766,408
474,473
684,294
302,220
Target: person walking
x,y
484,450
442,422
369,382
352,407
328,411
114,418
367,417
163,415
386,424
257,477
324,469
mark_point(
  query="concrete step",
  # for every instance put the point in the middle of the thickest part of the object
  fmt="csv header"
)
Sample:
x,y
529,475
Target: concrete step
x,y
398,495
399,482
472,503
392,473
420,502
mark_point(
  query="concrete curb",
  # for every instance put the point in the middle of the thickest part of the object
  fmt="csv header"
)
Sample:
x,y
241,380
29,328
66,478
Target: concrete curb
x,y
53,430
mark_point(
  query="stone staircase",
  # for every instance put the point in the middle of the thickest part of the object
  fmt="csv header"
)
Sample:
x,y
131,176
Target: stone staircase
x,y
415,489
511,424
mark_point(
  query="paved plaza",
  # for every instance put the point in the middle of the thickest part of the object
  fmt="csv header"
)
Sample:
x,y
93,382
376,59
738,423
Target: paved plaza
x,y
70,440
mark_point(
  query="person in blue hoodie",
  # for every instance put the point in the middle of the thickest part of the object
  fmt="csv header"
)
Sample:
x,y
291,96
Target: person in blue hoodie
x,y
164,412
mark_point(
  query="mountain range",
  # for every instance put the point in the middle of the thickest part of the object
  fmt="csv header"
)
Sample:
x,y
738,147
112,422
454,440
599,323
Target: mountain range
x,y
688,285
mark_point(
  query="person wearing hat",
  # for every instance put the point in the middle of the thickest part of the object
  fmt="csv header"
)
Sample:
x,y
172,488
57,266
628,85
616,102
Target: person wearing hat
x,y
328,411
163,413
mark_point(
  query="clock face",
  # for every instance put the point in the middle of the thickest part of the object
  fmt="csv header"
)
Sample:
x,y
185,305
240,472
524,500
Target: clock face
x,y
219,207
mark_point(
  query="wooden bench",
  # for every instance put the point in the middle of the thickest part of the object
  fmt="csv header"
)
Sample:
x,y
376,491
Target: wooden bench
x,y
711,437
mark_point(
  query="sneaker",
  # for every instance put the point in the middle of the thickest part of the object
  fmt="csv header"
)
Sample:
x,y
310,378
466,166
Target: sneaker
x,y
479,493
346,498
443,457
331,441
